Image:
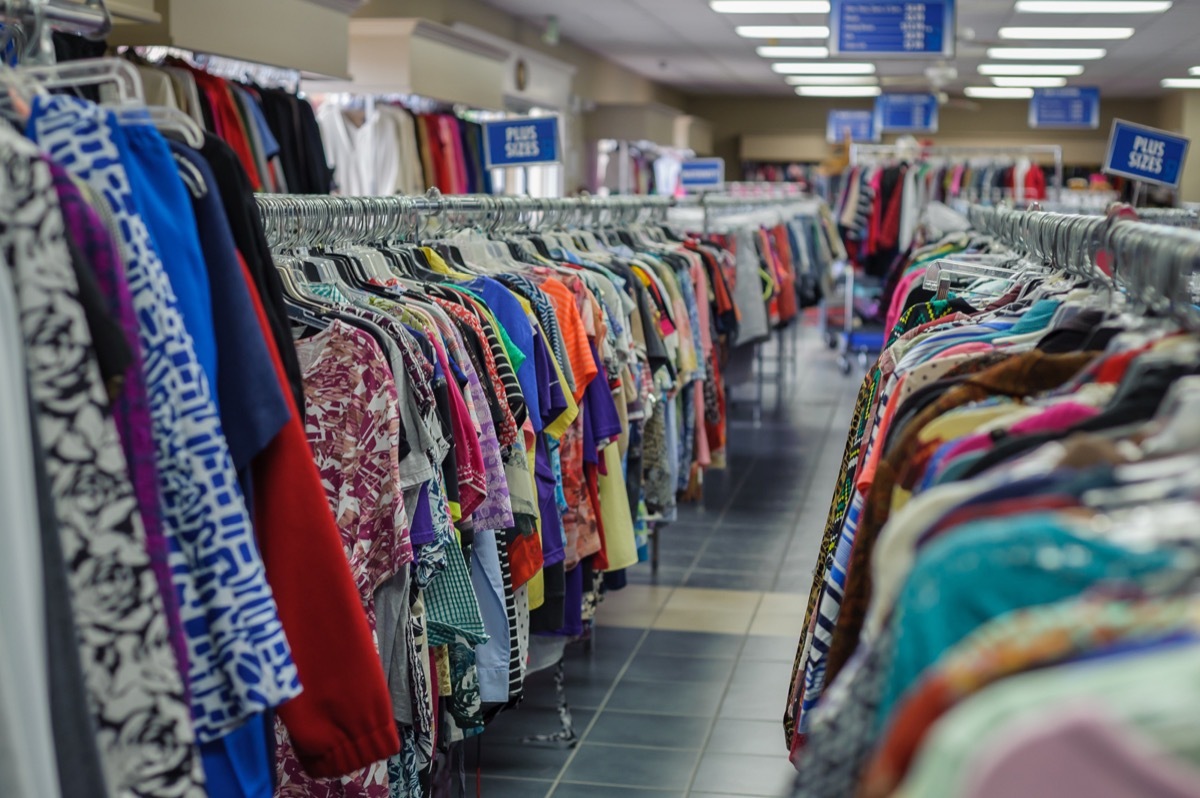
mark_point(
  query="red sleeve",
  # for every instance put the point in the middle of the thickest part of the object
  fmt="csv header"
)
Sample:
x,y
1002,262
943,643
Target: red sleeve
x,y
343,720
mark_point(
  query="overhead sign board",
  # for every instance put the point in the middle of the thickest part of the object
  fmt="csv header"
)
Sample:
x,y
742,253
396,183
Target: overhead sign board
x,y
892,30
859,124
906,113
1068,108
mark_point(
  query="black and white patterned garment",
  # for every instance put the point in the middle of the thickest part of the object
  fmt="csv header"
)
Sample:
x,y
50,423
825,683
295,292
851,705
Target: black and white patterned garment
x,y
142,719
239,661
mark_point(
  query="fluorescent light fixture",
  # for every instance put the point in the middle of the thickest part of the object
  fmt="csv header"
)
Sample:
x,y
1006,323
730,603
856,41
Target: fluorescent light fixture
x,y
768,51
1046,53
1032,83
782,31
770,6
1194,70
838,91
1181,83
1066,34
1093,6
830,80
824,68
1063,70
997,93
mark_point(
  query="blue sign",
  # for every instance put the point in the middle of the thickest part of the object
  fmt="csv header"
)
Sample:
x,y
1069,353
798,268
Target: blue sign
x,y
521,142
702,174
906,113
860,124
892,30
1145,153
1073,107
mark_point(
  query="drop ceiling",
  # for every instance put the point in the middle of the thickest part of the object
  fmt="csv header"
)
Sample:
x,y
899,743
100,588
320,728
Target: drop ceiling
x,y
686,45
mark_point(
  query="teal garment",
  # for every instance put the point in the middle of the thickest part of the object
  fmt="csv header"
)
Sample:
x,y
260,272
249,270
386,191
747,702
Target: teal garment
x,y
958,468
1037,318
983,570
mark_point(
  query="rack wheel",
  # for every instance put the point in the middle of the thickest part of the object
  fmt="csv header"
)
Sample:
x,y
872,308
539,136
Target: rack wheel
x,y
862,360
831,340
844,364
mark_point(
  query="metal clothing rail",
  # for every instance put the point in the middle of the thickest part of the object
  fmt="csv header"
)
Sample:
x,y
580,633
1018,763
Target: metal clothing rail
x,y
294,220
857,151
34,19
1154,265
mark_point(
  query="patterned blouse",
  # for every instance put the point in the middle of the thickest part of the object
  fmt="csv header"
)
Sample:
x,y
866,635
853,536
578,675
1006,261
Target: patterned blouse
x,y
352,418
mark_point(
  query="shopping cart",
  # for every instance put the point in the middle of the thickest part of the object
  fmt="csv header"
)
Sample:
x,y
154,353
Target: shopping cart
x,y
849,314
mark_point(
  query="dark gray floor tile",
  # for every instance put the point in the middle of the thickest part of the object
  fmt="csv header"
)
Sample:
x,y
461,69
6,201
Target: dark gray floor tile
x,y
754,545
747,701
666,698
730,580
651,666
632,767
693,644
755,737
614,727
727,561
573,790
517,760
581,695
739,774
773,678
493,787
513,726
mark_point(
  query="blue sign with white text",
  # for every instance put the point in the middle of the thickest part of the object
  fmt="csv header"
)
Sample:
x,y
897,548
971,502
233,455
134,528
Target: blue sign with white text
x,y
1145,153
1072,107
859,124
702,174
892,30
521,142
906,113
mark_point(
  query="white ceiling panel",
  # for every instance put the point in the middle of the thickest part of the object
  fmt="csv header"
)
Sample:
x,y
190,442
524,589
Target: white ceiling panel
x,y
684,44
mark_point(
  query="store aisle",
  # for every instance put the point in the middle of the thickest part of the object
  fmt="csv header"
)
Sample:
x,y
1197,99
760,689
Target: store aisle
x,y
683,690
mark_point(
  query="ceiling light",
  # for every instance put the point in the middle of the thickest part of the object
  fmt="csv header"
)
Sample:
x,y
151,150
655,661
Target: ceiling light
x,y
770,6
782,31
1093,6
1046,53
838,91
1194,70
793,52
998,93
1181,83
1065,70
824,68
1065,34
829,80
1033,83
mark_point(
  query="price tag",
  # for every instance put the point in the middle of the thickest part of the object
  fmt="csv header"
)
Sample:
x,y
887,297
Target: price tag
x,y
521,142
892,30
860,125
1145,153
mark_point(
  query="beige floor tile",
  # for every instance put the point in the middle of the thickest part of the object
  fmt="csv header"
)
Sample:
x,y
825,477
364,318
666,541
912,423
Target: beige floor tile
x,y
636,619
776,624
694,598
702,620
783,603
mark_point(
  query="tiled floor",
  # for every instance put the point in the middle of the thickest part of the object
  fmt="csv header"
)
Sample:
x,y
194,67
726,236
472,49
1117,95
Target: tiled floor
x,y
682,691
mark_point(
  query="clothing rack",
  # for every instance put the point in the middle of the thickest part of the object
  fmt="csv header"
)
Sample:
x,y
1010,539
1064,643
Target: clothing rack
x,y
858,151
1154,264
90,19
